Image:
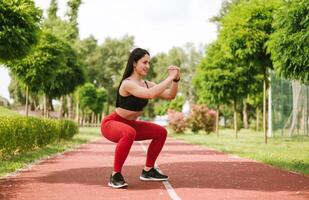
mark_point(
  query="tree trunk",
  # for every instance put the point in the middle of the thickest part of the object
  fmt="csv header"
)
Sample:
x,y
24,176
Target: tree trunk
x,y
77,113
245,114
45,106
81,119
217,122
86,118
92,119
27,100
296,96
107,109
48,107
307,111
303,120
70,104
50,104
32,106
235,119
60,108
257,119
264,108
102,117
99,120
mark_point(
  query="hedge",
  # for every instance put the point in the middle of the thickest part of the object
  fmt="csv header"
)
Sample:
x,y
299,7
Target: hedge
x,y
21,134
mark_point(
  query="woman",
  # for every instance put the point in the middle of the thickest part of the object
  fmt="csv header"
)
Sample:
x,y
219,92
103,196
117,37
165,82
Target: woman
x,y
122,126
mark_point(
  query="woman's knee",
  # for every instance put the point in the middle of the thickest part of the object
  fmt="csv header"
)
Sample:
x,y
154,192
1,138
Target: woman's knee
x,y
163,132
129,134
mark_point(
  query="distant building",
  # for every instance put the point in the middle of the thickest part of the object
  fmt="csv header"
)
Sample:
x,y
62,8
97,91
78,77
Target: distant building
x,y
4,101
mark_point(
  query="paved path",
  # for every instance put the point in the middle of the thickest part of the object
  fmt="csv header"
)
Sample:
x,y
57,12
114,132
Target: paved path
x,y
195,173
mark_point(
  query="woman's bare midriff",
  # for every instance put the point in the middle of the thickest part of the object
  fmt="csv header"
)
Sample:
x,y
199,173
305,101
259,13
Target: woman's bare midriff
x,y
128,114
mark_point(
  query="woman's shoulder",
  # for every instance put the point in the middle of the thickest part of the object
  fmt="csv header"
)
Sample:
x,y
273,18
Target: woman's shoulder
x,y
142,82
130,83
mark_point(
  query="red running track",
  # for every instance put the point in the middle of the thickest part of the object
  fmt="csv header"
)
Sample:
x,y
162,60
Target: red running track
x,y
195,173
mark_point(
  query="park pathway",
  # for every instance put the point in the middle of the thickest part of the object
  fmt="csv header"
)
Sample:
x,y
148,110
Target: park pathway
x,y
195,173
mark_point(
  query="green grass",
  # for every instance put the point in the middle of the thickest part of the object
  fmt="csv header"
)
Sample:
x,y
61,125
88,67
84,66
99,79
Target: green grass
x,y
20,161
287,153
7,112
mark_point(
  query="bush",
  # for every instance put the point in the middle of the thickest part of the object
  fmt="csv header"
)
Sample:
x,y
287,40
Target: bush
x,y
68,129
177,121
21,134
202,118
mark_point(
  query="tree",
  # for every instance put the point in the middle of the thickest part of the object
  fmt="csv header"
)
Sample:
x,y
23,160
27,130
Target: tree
x,y
17,90
90,100
225,8
88,52
72,13
186,58
52,10
19,28
86,98
51,67
68,31
245,31
288,44
220,80
159,64
193,57
100,100
111,62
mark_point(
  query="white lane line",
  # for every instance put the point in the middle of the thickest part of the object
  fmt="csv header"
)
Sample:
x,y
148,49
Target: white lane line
x,y
168,186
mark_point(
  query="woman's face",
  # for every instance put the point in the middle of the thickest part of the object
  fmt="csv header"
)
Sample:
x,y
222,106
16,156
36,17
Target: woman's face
x,y
142,65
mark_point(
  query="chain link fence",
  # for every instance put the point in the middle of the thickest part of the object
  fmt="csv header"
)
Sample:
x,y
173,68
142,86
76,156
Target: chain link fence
x,y
289,107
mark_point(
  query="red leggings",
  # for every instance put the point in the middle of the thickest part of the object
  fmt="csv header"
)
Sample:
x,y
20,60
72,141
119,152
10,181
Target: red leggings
x,y
125,132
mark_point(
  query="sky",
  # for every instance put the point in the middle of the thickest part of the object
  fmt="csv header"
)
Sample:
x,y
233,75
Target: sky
x,y
157,25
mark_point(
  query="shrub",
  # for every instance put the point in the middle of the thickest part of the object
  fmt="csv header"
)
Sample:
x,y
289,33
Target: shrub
x,y
68,129
177,121
202,118
21,134
210,125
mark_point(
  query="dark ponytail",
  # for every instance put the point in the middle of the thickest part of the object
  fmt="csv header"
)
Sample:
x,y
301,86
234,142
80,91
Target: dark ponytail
x,y
135,55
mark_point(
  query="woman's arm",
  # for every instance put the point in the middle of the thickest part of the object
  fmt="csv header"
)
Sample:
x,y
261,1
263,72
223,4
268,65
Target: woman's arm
x,y
171,92
148,93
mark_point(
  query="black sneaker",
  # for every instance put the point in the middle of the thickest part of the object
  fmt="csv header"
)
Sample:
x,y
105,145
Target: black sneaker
x,y
117,181
152,175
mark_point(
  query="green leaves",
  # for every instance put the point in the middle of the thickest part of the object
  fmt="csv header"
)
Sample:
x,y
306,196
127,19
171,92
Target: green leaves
x,y
246,28
51,67
109,61
19,28
100,100
22,134
187,58
221,79
87,95
288,45
91,98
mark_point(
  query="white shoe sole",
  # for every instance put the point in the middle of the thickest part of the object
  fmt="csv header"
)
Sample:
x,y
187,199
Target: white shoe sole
x,y
152,179
117,186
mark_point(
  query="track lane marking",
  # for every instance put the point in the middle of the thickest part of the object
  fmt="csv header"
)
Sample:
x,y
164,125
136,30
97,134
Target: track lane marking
x,y
170,190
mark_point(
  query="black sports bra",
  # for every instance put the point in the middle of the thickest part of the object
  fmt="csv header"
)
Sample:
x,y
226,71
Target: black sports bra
x,y
131,102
